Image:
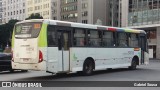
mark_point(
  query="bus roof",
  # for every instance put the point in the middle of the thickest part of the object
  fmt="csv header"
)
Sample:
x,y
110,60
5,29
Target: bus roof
x,y
90,26
80,25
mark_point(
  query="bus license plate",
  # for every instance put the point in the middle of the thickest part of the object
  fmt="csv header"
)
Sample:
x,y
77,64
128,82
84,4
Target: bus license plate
x,y
25,59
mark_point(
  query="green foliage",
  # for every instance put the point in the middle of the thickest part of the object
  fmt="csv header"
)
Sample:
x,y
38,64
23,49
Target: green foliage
x,y
6,33
34,16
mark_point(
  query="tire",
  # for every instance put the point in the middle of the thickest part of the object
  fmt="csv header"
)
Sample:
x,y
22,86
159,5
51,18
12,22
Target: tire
x,y
109,69
24,70
11,70
133,65
88,68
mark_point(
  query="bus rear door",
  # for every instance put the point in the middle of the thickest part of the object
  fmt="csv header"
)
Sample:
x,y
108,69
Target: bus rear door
x,y
64,43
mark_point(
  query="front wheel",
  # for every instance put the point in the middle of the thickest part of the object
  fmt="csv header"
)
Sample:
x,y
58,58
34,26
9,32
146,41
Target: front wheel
x,y
133,65
88,68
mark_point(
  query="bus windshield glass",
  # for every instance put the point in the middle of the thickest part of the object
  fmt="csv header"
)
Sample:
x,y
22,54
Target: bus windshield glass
x,y
28,30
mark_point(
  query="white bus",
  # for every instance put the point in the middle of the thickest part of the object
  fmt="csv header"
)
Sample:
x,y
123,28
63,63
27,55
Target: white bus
x,y
67,47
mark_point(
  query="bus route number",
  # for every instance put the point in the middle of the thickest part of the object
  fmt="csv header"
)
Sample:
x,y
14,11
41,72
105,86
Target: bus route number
x,y
37,26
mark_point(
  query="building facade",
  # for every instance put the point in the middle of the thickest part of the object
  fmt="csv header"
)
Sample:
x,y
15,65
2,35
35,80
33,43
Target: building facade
x,y
82,11
0,12
139,14
43,7
13,9
117,13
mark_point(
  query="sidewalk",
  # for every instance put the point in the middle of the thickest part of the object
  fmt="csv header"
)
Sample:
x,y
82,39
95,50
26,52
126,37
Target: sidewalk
x,y
154,59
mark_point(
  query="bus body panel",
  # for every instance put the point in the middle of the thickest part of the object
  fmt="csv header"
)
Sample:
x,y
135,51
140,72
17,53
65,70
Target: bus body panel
x,y
52,59
29,65
58,61
26,51
103,57
65,61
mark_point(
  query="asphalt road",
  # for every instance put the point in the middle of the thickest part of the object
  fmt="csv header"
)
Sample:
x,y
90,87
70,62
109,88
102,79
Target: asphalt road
x,y
150,72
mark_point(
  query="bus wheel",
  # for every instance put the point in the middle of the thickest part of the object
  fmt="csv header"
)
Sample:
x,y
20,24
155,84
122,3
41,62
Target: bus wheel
x,y
133,65
109,69
24,70
11,70
88,68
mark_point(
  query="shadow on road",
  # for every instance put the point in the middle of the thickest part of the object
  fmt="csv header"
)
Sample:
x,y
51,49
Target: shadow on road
x,y
14,72
60,76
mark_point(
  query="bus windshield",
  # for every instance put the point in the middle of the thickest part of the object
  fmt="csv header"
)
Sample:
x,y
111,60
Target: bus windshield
x,y
28,30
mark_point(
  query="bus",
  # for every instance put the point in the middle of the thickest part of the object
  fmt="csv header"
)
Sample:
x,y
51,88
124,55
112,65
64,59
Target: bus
x,y
67,47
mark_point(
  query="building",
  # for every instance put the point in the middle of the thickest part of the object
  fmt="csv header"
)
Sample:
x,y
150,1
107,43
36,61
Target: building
x,y
13,9
117,13
43,7
0,11
139,14
82,11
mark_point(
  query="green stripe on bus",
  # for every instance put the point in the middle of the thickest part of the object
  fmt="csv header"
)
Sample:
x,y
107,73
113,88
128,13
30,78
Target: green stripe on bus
x,y
42,42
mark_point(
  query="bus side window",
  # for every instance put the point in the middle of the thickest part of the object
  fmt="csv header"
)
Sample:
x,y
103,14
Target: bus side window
x,y
51,36
79,37
122,40
134,40
108,39
94,38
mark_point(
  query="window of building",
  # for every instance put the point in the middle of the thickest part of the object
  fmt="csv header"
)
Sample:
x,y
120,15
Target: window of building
x,y
84,5
151,34
54,18
85,13
85,21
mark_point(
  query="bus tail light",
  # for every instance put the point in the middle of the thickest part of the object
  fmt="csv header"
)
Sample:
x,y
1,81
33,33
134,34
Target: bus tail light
x,y
40,56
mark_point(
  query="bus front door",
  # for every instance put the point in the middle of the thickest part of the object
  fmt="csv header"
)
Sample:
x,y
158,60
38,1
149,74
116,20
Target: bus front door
x,y
144,53
142,44
63,46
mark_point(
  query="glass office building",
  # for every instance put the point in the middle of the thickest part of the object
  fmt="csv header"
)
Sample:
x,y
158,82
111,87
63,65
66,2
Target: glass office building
x,y
143,12
138,14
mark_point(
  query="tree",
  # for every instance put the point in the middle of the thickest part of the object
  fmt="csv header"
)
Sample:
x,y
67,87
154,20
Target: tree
x,y
6,33
34,16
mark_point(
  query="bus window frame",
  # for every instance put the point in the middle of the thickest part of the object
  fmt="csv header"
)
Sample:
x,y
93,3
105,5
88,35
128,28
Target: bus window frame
x,y
71,39
138,40
15,26
117,40
145,42
114,39
88,31
86,40
67,29
55,36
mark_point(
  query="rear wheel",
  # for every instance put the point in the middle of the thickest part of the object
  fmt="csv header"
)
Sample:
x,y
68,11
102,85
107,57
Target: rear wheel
x,y
88,68
24,70
11,70
133,65
109,69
